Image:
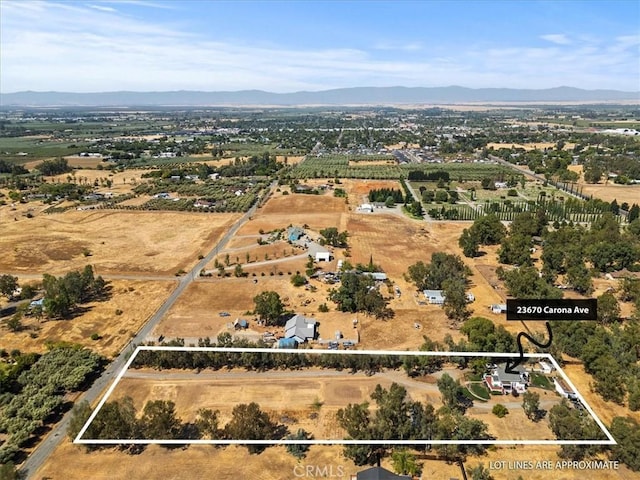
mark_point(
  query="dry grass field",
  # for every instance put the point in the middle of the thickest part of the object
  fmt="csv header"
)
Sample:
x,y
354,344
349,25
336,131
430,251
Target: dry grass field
x,y
118,242
608,190
136,299
394,242
530,146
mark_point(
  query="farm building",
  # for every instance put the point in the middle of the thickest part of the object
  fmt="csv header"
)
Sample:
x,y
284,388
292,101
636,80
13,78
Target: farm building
x,y
294,233
378,473
377,276
501,381
323,256
365,208
240,324
434,297
300,328
563,389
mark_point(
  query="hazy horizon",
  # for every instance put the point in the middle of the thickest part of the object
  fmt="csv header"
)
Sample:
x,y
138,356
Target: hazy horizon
x,y
282,47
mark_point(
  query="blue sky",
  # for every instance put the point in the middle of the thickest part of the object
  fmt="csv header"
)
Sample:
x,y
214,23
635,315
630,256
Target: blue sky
x,y
156,45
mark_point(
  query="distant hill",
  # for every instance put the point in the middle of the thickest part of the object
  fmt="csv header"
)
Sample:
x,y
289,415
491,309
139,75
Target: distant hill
x,y
340,96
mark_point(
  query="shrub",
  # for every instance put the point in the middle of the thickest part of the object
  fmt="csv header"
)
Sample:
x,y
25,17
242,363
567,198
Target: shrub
x,y
500,410
119,312
323,308
95,336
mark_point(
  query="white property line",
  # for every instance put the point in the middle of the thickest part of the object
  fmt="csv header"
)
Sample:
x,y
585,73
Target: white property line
x,y
80,440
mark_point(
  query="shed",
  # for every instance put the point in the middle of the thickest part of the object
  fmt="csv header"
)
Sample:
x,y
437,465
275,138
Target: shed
x,y
240,323
435,297
377,276
323,256
300,328
563,388
366,208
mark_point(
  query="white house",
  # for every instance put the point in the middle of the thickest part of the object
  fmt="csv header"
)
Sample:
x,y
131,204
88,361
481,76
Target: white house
x,y
501,381
545,367
434,297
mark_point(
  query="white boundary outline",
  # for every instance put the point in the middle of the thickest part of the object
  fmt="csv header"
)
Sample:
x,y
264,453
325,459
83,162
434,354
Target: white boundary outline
x,y
79,440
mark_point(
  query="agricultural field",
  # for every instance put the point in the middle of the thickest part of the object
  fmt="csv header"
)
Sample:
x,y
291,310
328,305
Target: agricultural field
x,y
113,242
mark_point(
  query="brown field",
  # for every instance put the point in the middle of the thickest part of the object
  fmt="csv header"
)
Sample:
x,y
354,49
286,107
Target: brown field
x,y
200,462
529,146
136,299
293,393
608,190
159,242
611,191
123,182
77,161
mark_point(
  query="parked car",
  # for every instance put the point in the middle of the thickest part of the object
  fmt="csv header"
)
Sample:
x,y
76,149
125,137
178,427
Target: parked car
x,y
224,314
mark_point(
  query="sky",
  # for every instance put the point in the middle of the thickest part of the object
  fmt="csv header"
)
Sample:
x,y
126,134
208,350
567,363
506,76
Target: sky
x,y
288,46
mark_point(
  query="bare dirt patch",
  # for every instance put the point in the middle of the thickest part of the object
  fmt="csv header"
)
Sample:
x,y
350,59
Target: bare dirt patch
x,y
137,300
117,242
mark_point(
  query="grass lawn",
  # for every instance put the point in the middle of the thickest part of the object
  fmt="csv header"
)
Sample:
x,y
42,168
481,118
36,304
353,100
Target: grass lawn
x,y
538,380
479,390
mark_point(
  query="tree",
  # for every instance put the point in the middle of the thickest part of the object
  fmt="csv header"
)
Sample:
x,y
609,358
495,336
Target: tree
x,y
443,267
531,405
115,420
159,420
299,450
525,282
298,280
237,271
8,285
469,243
334,238
404,463
626,431
479,472
515,250
269,307
489,230
634,213
14,323
80,413
357,293
450,390
455,299
207,423
248,422
608,308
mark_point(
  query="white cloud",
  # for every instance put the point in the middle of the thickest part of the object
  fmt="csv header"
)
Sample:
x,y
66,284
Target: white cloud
x,y
103,8
76,47
557,38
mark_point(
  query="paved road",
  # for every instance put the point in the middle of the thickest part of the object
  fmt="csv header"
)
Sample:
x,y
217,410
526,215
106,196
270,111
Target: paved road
x,y
46,447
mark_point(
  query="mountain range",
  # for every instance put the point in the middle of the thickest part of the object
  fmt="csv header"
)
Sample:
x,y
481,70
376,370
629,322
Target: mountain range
x,y
339,96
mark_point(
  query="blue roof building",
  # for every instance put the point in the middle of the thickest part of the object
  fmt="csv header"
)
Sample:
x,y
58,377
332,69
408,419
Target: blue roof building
x,y
294,233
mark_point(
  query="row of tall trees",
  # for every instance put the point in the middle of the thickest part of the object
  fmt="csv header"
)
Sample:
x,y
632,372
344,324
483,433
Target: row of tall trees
x,y
120,420
397,417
